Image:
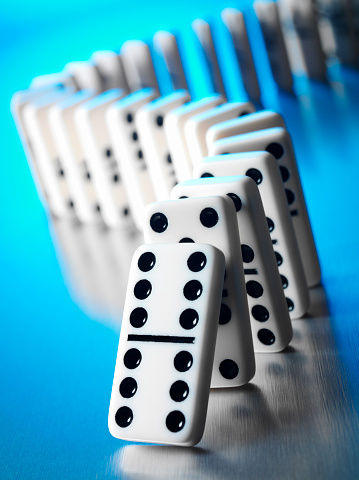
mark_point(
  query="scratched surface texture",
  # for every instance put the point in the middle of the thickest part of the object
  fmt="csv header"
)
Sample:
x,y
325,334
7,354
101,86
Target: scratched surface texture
x,y
63,285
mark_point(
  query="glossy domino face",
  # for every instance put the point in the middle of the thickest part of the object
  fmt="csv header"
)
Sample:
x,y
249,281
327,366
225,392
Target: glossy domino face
x,y
213,220
277,142
150,126
271,325
126,142
262,168
104,167
165,355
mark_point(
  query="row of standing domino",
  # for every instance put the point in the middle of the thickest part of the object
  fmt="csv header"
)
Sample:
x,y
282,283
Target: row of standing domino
x,y
138,147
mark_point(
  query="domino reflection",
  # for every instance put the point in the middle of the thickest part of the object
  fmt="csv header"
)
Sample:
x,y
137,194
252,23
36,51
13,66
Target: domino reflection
x,y
292,410
95,262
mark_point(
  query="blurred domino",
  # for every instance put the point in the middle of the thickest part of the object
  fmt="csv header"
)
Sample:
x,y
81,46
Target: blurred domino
x,y
235,23
85,75
149,123
98,150
165,355
197,126
166,44
110,66
174,126
120,121
270,322
262,168
277,142
213,220
203,32
138,65
53,80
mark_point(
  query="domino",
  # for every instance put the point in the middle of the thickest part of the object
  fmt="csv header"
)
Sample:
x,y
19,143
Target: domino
x,y
174,126
277,142
246,124
150,126
104,167
120,122
197,126
53,80
43,149
166,44
270,322
138,65
203,32
109,64
234,20
85,76
61,120
262,168
213,220
268,16
165,354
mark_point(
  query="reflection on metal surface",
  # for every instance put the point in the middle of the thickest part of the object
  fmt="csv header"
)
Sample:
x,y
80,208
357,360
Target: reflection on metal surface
x,y
95,262
294,420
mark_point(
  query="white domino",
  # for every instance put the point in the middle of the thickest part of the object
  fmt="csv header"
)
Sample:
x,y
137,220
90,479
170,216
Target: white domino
x,y
271,325
166,44
277,142
262,167
174,125
99,153
236,25
268,16
85,75
150,127
62,125
138,65
44,150
196,127
165,354
110,66
213,220
204,34
126,142
53,80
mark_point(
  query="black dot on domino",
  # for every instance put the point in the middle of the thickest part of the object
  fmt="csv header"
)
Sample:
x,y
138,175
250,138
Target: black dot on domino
x,y
290,304
278,258
243,113
284,173
158,222
143,289
140,154
138,317
124,417
183,361
179,391
270,224
225,314
128,387
146,261
175,421
284,281
116,178
129,118
206,175
183,196
189,318
132,358
192,290
159,120
254,289
266,336
186,240
169,158
247,253
276,149
236,200
290,196
209,217
228,369
260,313
108,152
255,175
134,136
197,261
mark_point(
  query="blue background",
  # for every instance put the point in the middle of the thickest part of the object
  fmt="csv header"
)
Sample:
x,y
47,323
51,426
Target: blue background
x,y
56,360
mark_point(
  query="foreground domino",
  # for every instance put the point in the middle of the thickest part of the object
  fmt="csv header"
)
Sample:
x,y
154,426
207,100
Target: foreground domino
x,y
262,168
271,325
213,220
277,142
165,355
